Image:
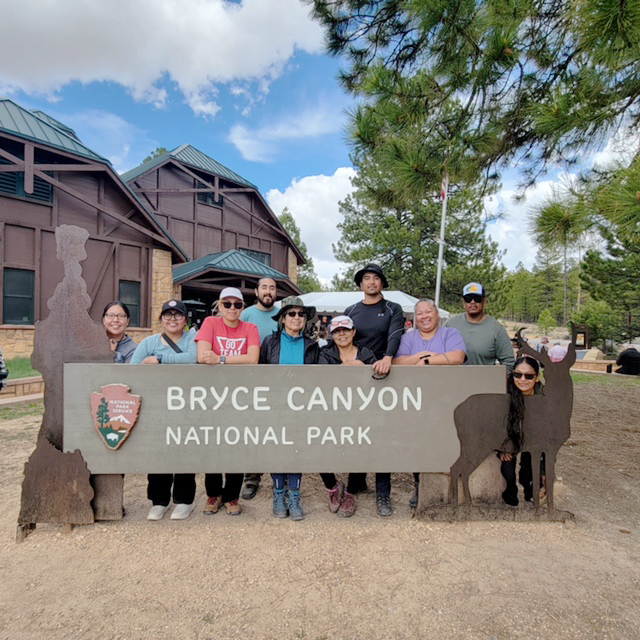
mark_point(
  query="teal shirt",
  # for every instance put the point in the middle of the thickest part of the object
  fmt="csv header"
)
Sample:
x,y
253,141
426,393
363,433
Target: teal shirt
x,y
291,349
486,342
262,319
152,346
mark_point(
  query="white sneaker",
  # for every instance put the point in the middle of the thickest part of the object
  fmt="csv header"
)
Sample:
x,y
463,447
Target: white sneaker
x,y
157,512
182,511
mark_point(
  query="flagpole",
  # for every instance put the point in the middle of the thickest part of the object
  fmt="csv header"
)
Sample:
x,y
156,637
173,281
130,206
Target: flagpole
x,y
444,189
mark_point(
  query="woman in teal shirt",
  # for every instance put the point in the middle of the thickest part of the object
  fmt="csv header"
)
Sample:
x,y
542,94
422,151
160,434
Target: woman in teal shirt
x,y
173,346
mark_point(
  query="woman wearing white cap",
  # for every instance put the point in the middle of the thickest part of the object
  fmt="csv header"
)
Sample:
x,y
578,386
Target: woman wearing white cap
x,y
222,341
342,350
173,346
289,345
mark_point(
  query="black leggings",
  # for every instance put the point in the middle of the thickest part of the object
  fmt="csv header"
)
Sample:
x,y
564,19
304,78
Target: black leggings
x,y
525,477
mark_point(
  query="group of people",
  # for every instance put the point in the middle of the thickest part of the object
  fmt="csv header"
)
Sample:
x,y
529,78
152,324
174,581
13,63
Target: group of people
x,y
369,333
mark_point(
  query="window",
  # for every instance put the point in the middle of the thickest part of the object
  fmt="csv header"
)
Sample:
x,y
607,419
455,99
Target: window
x,y
208,198
12,183
265,258
130,294
18,296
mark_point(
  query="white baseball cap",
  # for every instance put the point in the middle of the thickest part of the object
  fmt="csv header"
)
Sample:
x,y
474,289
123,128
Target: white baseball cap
x,y
231,292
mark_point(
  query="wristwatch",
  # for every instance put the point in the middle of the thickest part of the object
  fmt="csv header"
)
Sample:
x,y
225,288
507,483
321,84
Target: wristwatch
x,y
223,359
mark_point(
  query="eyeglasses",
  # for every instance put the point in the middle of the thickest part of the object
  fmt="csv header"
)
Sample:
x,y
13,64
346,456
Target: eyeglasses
x,y
293,314
472,297
111,316
235,305
528,376
174,315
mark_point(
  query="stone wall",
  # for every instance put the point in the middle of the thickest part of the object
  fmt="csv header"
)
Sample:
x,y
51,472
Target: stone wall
x,y
293,266
16,342
162,288
23,387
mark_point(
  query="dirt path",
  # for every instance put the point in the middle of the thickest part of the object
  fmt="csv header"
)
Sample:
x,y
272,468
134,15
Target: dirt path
x,y
326,578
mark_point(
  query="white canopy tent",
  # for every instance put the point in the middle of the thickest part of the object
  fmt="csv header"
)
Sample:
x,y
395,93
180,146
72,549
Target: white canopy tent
x,y
335,302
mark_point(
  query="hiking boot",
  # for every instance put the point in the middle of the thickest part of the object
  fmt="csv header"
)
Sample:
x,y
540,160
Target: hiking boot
x,y
249,490
295,506
182,511
233,508
413,501
280,504
157,512
348,506
383,503
212,505
335,497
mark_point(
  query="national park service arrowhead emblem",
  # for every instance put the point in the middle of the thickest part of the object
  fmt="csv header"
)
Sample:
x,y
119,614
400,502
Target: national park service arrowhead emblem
x,y
115,412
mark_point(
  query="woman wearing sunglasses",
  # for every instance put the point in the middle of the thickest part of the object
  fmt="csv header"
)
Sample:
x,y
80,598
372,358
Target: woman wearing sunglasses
x,y
523,381
343,350
222,341
289,345
173,346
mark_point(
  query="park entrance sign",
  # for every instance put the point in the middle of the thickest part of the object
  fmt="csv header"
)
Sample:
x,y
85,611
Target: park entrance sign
x,y
197,418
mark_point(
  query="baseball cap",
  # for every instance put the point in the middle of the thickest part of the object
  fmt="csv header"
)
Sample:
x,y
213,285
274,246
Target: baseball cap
x,y
174,305
231,292
341,322
473,287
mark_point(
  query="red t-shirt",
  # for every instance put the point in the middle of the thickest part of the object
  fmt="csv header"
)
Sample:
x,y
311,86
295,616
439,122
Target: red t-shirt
x,y
229,341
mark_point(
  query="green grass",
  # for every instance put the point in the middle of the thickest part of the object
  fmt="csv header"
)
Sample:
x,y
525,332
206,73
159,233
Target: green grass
x,y
604,380
21,368
14,411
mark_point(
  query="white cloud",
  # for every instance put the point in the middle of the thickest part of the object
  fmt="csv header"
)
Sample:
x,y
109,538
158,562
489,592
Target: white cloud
x,y
109,135
313,201
261,144
512,231
620,149
197,44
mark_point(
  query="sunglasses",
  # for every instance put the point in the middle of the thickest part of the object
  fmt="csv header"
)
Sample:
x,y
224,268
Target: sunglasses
x,y
175,316
235,305
528,376
473,297
293,314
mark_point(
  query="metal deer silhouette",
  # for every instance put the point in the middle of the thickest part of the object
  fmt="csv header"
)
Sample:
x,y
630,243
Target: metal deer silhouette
x,y
481,423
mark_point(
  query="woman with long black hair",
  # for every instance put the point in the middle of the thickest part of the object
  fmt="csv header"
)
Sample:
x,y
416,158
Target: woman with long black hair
x,y
523,381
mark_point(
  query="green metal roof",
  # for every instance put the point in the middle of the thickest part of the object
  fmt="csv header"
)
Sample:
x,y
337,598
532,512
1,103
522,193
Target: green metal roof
x,y
194,158
19,121
55,123
232,260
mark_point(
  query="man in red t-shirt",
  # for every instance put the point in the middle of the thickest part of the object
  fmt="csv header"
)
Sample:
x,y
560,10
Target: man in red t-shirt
x,y
227,340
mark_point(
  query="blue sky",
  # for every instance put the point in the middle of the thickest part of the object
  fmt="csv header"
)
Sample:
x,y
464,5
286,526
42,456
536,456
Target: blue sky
x,y
245,82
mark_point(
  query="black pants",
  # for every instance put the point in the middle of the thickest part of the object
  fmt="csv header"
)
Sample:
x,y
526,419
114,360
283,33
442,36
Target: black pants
x,y
159,488
383,483
525,477
229,491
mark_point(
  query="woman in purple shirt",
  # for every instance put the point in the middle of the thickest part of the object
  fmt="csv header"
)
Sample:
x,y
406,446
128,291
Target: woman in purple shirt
x,y
430,344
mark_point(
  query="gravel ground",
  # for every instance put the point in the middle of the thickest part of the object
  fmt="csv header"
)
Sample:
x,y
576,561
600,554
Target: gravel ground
x,y
328,578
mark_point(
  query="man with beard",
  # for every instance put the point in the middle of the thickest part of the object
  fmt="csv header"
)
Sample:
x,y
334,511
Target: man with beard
x,y
261,314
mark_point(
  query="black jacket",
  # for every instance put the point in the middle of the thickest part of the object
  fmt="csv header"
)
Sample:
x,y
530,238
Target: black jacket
x,y
4,372
270,350
330,354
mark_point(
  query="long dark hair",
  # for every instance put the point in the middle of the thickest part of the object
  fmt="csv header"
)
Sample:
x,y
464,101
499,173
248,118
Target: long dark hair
x,y
114,303
516,403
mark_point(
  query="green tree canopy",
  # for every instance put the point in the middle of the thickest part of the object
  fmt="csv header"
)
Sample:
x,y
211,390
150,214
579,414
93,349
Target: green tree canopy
x,y
158,151
308,281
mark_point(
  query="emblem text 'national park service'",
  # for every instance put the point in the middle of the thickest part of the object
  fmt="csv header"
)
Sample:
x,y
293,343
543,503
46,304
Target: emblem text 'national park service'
x,y
115,412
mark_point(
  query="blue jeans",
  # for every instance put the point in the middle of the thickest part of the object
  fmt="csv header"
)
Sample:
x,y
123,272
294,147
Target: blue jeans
x,y
293,483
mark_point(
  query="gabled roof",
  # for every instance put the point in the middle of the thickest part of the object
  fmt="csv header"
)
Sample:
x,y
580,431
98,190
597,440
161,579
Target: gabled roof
x,y
233,260
192,157
19,121
55,123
